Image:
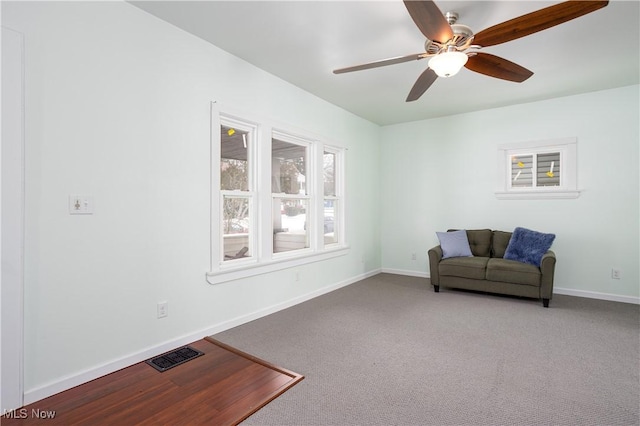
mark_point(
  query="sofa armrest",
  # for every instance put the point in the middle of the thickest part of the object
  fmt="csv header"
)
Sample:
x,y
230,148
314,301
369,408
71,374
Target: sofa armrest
x,y
547,269
435,256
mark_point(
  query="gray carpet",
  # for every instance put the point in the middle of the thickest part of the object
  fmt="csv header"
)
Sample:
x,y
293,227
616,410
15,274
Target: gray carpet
x,y
390,351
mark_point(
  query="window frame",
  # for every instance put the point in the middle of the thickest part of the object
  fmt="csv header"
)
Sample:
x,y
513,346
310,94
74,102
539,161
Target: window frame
x,y
338,198
567,147
535,168
250,194
263,259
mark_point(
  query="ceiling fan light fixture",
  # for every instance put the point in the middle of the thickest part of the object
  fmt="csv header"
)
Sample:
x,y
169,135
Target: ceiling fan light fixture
x,y
447,64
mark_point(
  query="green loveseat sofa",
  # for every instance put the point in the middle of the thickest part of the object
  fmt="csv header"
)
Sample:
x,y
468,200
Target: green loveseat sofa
x,y
487,270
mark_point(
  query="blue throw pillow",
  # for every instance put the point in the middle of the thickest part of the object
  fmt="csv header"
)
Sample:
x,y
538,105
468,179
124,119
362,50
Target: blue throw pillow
x,y
454,244
528,246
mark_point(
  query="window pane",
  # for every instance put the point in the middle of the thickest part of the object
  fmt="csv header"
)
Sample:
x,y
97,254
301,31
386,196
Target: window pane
x,y
288,168
290,230
330,225
521,171
234,164
548,169
329,173
235,228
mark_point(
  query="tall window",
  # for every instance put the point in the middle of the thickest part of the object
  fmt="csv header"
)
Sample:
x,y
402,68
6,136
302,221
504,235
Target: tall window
x,y
331,200
290,186
236,189
277,199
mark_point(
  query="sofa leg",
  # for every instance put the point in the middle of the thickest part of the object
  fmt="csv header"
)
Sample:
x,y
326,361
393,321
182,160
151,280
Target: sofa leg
x,y
545,303
436,288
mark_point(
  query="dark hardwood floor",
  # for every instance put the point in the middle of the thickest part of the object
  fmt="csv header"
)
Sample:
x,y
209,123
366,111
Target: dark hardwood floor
x,y
222,387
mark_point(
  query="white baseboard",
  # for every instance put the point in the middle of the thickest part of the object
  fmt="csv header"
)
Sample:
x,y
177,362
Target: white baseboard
x,y
556,290
597,295
405,272
68,382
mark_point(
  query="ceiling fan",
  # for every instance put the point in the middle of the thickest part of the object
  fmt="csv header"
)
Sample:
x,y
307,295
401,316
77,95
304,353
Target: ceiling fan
x,y
452,46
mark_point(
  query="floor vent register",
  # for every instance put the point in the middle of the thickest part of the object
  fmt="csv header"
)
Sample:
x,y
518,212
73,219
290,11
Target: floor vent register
x,y
174,358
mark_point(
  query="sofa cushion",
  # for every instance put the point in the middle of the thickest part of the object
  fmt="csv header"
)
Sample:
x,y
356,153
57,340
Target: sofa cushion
x,y
499,243
479,241
454,244
528,246
512,271
464,267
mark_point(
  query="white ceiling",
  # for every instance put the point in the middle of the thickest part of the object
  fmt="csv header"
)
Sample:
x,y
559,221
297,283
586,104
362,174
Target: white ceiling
x,y
303,41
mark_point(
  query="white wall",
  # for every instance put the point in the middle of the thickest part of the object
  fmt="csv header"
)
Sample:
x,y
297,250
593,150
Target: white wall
x,y
12,229
117,107
440,174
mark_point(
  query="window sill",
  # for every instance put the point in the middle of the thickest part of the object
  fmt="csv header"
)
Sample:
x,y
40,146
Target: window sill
x,y
536,195
249,270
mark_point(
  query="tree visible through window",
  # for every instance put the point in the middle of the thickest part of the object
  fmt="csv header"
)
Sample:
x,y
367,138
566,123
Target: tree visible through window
x,y
235,190
291,195
331,204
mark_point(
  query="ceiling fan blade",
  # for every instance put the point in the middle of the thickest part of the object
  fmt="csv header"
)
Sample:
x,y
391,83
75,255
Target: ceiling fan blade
x,y
421,85
494,66
536,21
429,19
382,63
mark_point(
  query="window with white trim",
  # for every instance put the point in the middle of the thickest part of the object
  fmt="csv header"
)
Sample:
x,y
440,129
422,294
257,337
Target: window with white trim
x,y
277,197
292,191
331,202
537,170
237,189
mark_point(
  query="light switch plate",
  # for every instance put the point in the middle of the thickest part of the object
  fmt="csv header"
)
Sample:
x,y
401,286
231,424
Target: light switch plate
x,y
163,309
80,204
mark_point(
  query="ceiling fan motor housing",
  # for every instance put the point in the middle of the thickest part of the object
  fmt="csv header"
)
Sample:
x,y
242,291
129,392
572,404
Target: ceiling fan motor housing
x,y
461,40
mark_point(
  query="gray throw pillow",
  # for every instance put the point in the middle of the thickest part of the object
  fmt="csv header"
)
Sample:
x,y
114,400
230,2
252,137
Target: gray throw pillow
x,y
454,244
